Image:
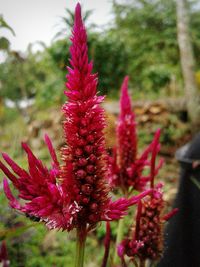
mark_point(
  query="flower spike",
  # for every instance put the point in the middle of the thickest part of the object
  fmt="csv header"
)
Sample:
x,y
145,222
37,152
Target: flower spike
x,y
86,153
126,168
75,193
146,241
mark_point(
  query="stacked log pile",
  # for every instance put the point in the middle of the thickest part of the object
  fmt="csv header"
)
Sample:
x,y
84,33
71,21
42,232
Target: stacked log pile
x,y
149,116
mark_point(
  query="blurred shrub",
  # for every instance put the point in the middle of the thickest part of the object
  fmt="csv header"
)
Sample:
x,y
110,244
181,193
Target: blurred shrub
x,y
110,58
157,76
148,30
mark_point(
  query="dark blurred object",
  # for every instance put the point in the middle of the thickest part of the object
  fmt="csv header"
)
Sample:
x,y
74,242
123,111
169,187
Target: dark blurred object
x,y
4,255
183,231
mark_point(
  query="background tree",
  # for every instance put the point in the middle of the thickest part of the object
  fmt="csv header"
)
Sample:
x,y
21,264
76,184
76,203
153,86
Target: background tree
x,y
32,75
148,29
188,62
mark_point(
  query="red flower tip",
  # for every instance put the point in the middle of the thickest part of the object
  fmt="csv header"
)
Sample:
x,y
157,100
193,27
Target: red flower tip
x,y
169,215
125,101
77,18
121,250
155,150
80,80
119,207
13,201
51,151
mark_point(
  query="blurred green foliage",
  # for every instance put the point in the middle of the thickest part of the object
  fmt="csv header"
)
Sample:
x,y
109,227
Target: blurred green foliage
x,y
148,29
110,57
30,76
141,42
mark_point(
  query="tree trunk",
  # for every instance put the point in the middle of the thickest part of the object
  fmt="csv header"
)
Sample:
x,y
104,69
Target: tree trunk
x,y
188,64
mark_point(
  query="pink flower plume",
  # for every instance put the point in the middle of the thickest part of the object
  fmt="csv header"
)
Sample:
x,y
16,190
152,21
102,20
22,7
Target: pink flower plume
x,y
75,192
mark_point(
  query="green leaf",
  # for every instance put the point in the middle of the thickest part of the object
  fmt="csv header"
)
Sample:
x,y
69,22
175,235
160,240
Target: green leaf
x,y
4,24
4,43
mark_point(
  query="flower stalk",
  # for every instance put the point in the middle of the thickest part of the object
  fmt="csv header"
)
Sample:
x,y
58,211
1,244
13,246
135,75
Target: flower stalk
x,y
120,234
107,245
80,246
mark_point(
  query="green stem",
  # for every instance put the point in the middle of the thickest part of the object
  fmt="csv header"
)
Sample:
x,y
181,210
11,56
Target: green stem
x,y
80,246
119,238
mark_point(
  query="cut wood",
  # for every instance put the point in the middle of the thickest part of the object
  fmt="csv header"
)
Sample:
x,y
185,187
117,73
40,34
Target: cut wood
x,y
141,107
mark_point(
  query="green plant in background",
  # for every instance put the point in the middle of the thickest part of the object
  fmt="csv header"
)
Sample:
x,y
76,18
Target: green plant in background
x,y
140,42
4,42
148,29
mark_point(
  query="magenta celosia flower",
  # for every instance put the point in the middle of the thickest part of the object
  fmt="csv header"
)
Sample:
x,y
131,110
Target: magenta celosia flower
x,y
126,168
147,239
75,193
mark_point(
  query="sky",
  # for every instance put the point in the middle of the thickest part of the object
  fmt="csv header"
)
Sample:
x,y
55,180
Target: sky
x,y
38,20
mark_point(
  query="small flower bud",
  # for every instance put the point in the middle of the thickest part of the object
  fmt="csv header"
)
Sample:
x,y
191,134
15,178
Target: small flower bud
x,y
83,122
83,132
82,162
81,142
90,169
96,195
85,200
92,158
76,190
89,179
93,218
89,149
90,138
78,152
93,206
86,189
81,174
